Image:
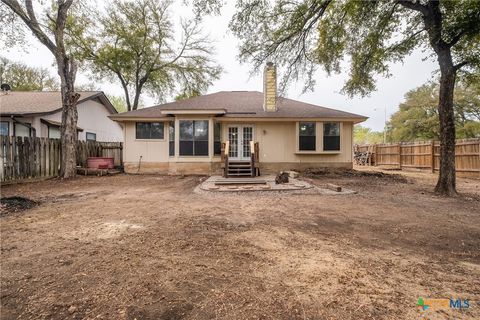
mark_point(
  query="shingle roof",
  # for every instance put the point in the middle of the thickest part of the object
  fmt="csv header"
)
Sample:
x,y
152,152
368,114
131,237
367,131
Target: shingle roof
x,y
41,102
241,104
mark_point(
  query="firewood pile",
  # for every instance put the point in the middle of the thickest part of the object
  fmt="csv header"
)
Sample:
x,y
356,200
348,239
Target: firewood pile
x,y
362,158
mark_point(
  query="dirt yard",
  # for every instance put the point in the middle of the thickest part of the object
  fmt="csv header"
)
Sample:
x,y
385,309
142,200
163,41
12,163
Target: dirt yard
x,y
148,247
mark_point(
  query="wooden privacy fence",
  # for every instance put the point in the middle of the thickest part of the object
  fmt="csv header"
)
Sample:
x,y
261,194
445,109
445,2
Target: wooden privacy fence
x,y
27,158
426,155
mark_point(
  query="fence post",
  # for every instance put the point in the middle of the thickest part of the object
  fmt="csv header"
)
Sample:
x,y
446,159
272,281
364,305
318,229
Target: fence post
x,y
432,155
399,148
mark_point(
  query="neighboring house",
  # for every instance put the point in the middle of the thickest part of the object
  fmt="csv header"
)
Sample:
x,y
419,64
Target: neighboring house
x,y
39,114
187,136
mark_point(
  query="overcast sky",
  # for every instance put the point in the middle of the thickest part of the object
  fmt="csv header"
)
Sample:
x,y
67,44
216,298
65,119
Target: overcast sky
x,y
390,92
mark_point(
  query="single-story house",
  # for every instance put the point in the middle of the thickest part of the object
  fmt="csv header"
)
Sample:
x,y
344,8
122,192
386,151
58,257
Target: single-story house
x,y
243,132
39,114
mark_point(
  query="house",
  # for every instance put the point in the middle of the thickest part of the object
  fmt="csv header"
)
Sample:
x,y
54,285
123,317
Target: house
x,y
39,114
243,132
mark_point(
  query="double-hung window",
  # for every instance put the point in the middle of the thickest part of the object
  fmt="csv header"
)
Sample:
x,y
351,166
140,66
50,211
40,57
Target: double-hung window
x,y
193,138
149,130
307,136
331,136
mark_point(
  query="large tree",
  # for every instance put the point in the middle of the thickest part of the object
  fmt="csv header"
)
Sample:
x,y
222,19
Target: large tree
x,y
49,29
417,117
302,35
22,77
135,43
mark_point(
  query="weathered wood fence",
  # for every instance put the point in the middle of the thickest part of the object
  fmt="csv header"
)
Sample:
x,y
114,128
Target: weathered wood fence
x,y
425,155
29,158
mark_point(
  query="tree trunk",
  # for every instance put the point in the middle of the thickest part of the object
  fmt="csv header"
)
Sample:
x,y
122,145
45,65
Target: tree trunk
x,y
68,161
446,180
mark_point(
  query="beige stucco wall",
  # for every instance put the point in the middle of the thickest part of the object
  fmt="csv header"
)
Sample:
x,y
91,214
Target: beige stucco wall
x,y
92,117
278,144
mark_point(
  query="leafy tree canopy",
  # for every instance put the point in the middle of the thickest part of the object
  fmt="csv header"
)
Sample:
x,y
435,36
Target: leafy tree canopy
x,y
22,77
365,135
304,35
417,117
135,43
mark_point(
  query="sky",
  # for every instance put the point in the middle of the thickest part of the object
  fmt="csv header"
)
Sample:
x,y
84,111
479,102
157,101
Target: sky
x,y
413,72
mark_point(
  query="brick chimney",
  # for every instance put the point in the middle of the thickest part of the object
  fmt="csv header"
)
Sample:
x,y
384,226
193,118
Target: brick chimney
x,y
270,88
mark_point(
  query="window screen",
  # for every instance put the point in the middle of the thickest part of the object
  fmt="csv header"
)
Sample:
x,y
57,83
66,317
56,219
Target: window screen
x,y
193,138
307,136
149,130
331,136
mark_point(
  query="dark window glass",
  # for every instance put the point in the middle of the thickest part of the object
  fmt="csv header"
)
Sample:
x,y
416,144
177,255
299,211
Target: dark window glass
x,y
149,130
217,141
186,130
156,130
171,139
193,138
331,136
91,136
4,128
306,136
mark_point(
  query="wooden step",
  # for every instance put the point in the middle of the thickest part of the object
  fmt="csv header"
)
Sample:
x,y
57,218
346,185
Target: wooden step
x,y
227,181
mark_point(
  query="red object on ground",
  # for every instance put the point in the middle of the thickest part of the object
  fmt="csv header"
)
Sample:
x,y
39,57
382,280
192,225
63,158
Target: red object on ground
x,y
100,163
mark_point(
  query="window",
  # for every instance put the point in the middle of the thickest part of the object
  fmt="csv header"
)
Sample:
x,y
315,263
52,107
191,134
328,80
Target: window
x,y
53,132
4,128
91,136
306,136
193,138
171,139
21,130
149,130
331,136
217,138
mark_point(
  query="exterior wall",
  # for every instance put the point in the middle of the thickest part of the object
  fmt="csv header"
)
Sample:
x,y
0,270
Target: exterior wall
x,y
152,155
278,145
92,117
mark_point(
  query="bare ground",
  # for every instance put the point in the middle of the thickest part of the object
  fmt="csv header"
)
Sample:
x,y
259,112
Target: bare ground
x,y
148,247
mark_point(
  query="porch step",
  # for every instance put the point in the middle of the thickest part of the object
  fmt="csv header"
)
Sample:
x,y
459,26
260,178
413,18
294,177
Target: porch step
x,y
227,181
240,169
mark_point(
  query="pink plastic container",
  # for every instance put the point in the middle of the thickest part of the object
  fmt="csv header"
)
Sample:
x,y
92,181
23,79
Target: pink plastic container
x,y
100,163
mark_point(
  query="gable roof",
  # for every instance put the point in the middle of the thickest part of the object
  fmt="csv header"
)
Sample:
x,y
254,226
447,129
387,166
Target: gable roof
x,y
240,104
44,102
